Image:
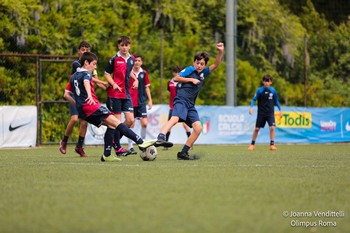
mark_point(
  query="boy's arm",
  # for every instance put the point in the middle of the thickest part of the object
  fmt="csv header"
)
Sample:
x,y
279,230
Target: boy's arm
x,y
87,86
275,97
253,102
135,85
149,97
111,82
101,84
68,97
180,79
67,94
220,47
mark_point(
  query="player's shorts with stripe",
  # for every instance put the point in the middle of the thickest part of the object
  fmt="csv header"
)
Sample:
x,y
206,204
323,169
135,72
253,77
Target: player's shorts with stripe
x,y
261,121
186,112
98,116
117,106
140,112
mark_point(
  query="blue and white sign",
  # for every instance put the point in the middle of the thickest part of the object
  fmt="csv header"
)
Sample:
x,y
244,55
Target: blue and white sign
x,y
234,125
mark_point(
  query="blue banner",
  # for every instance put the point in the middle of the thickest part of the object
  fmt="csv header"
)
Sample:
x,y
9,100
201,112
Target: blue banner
x,y
234,125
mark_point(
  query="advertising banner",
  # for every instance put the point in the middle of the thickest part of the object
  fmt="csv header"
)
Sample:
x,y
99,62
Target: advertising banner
x,y
18,126
234,125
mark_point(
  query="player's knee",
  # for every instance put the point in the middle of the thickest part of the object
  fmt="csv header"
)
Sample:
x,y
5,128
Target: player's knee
x,y
84,123
129,122
197,128
112,122
74,119
144,122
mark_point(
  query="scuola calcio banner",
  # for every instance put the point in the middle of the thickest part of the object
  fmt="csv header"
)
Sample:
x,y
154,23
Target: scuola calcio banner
x,y
234,125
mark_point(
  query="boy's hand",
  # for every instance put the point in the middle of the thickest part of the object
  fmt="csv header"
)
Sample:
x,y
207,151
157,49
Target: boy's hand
x,y
220,46
116,87
250,111
135,85
195,81
90,100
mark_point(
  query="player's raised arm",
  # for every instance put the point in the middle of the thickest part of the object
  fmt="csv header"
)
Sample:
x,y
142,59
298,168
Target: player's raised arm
x,y
220,47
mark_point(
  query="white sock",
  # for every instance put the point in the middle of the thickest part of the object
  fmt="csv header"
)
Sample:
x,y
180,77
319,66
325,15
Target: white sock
x,y
143,132
130,142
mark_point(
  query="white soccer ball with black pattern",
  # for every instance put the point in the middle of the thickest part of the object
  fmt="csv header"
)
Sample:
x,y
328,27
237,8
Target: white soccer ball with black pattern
x,y
149,154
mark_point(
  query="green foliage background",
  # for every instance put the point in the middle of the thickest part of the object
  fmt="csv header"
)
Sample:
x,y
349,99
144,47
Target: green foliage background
x,y
271,38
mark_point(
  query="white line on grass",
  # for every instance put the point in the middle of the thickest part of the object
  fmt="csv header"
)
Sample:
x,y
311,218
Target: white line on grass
x,y
89,164
190,164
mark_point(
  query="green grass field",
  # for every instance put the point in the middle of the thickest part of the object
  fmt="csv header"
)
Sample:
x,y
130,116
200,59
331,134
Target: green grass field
x,y
230,189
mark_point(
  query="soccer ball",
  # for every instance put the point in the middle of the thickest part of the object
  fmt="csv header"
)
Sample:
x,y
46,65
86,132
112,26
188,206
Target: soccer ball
x,y
149,154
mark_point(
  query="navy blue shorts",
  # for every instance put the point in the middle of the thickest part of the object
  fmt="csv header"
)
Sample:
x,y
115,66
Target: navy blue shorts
x,y
261,121
140,112
185,112
117,106
98,116
73,110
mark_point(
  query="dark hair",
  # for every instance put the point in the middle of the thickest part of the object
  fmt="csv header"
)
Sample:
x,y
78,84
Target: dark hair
x,y
124,40
201,55
267,77
136,55
87,56
84,44
176,69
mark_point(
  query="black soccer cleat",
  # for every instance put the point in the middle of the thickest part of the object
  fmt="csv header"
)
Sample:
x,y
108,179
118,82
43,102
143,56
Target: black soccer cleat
x,y
186,156
164,143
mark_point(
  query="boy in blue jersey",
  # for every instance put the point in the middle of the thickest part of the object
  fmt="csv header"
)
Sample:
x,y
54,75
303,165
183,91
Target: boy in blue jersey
x,y
267,99
190,80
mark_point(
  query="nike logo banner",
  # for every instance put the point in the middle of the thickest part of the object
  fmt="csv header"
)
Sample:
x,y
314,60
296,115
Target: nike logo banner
x,y
18,126
12,128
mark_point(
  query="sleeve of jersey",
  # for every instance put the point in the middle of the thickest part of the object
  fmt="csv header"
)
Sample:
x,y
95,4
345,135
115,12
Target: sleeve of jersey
x,y
275,97
169,86
206,71
109,67
68,87
147,82
187,71
88,77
